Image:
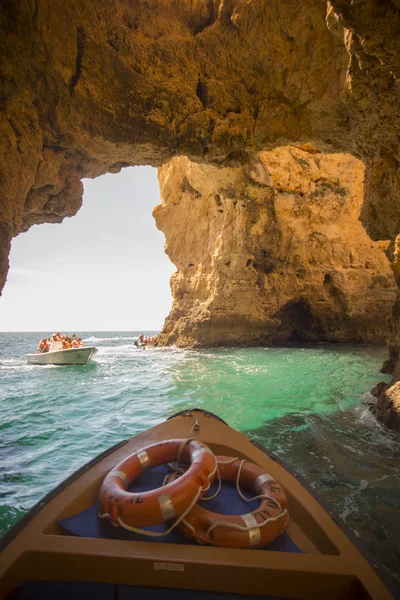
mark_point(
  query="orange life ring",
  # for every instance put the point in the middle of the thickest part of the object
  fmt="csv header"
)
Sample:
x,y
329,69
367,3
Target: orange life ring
x,y
253,530
141,509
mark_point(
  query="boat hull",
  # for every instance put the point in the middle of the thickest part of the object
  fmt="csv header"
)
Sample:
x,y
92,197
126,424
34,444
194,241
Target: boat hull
x,y
70,356
143,345
329,565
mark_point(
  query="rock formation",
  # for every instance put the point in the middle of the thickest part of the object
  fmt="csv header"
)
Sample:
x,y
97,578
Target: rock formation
x,y
89,86
272,252
387,406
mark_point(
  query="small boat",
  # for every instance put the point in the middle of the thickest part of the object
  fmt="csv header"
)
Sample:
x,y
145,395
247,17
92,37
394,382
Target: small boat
x,y
57,355
63,549
142,345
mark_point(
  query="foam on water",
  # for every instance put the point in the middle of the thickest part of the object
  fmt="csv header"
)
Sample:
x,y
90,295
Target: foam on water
x,y
95,339
308,405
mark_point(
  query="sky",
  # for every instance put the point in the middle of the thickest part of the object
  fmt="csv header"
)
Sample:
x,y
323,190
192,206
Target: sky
x,y
104,269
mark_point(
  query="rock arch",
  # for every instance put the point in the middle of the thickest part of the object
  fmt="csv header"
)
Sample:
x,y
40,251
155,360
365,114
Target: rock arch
x,y
88,87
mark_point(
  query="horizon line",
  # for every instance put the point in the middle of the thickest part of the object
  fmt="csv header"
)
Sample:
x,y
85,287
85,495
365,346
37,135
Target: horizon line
x,y
77,329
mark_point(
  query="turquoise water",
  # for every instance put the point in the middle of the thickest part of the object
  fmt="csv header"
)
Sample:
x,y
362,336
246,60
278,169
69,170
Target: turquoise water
x,y
306,404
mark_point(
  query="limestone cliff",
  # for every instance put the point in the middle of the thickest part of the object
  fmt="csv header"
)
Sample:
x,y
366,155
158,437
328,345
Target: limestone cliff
x,y
89,86
272,252
387,406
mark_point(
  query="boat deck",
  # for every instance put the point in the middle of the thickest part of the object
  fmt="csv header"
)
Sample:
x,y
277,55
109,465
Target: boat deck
x,y
314,559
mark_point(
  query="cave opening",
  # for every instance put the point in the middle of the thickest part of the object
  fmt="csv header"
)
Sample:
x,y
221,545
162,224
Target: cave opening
x,y
125,271
101,270
299,324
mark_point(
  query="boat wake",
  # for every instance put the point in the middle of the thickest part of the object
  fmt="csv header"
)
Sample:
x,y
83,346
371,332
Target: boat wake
x,y
113,351
107,339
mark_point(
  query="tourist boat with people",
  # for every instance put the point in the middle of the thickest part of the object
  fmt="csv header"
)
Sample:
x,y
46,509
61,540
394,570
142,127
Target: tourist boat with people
x,y
144,341
61,350
189,508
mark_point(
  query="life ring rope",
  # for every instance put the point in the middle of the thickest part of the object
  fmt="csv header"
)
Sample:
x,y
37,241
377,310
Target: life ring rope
x,y
239,491
121,507
179,471
208,498
136,511
162,533
230,529
242,527
256,525
194,501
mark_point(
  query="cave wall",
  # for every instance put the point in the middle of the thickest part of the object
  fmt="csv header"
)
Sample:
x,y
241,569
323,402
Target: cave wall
x,y
272,252
90,86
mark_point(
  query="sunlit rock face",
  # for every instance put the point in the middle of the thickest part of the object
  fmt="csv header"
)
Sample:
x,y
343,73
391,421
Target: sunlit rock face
x,y
272,252
387,405
89,86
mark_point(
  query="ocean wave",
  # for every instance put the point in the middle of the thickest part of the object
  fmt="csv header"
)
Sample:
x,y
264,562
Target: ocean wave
x,y
10,363
122,349
15,364
108,339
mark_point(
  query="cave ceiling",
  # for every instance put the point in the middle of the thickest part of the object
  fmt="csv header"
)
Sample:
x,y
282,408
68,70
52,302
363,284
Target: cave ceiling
x,y
91,86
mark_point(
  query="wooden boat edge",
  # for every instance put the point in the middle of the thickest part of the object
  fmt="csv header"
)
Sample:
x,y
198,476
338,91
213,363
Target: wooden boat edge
x,y
14,531
32,512
359,545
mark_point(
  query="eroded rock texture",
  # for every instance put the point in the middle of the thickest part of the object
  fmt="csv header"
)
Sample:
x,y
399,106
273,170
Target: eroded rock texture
x,y
272,252
387,405
88,86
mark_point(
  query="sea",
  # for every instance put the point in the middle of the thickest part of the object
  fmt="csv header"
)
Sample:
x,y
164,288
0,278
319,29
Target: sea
x,y
307,404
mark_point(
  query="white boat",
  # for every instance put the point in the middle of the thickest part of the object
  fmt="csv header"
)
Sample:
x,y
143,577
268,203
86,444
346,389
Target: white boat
x,y
57,355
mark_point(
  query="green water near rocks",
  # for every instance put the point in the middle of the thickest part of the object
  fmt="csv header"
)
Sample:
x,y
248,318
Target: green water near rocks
x,y
306,404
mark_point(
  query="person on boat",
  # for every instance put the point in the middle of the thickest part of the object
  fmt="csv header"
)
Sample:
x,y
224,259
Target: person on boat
x,y
66,342
141,338
73,336
43,346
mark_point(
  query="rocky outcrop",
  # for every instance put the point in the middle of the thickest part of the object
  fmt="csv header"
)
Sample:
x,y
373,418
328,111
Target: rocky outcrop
x,y
272,252
387,405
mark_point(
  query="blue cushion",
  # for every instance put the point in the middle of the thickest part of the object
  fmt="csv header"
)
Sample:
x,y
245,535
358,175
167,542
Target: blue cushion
x,y
88,524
